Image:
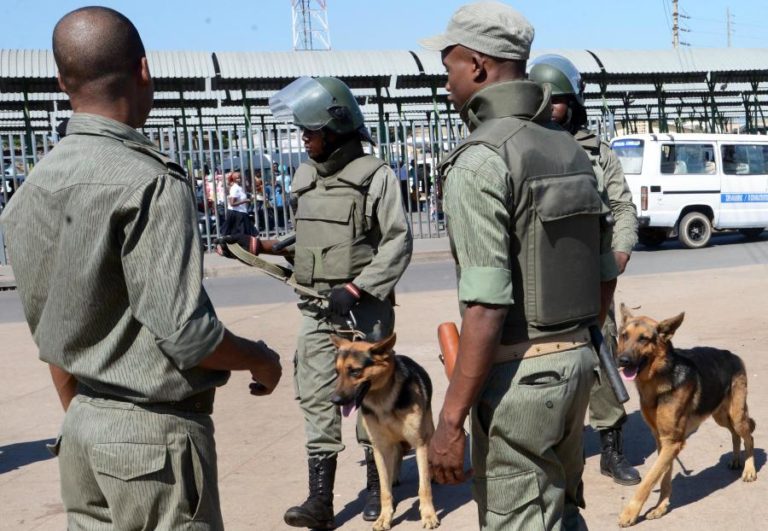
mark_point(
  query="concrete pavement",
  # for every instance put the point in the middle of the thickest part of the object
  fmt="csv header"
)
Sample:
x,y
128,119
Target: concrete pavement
x,y
262,469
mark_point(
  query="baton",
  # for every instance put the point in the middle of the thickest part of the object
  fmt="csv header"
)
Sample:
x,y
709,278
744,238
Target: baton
x,y
282,244
609,367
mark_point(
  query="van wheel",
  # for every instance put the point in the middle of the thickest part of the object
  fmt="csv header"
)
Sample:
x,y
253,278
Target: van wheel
x,y
751,234
695,230
652,237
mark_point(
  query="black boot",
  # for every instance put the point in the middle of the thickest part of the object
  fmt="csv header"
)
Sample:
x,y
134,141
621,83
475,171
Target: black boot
x,y
372,508
612,461
317,511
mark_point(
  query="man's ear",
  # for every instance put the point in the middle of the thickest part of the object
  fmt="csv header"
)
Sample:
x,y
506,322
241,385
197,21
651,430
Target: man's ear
x,y
479,67
144,75
62,86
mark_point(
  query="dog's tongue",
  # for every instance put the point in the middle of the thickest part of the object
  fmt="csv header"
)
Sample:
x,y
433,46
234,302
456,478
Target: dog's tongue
x,y
346,409
628,374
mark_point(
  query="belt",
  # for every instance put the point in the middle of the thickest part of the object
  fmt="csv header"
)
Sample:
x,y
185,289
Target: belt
x,y
198,403
543,346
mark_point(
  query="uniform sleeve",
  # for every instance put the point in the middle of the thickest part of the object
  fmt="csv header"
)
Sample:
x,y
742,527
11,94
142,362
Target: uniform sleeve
x,y
477,207
620,201
162,262
385,206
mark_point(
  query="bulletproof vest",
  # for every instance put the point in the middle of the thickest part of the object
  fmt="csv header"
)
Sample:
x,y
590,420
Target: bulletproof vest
x,y
554,237
334,241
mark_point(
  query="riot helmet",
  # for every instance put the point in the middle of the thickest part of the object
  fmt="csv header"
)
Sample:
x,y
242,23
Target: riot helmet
x,y
561,74
317,103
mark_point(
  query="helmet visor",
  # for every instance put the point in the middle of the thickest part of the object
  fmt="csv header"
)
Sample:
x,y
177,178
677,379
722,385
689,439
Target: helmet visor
x,y
305,102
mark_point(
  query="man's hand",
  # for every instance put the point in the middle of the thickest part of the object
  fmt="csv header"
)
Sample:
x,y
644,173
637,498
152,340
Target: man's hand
x,y
621,260
342,299
266,372
446,455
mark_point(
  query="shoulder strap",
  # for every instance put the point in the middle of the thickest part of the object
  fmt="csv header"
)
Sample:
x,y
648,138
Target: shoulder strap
x,y
173,167
303,179
359,172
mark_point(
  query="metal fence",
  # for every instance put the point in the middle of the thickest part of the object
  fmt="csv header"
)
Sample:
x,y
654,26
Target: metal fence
x,y
263,159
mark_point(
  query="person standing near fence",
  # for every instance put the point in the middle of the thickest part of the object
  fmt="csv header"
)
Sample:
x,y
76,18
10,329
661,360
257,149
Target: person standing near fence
x,y
106,253
523,217
353,243
607,415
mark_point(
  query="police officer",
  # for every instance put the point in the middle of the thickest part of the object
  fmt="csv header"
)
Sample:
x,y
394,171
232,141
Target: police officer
x,y
353,243
107,257
607,415
523,216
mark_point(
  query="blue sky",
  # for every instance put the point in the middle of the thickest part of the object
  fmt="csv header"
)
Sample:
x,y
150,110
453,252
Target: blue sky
x,y
258,25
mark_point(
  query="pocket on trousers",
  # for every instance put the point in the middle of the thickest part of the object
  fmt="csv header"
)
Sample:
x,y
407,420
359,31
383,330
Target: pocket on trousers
x,y
194,479
128,461
506,494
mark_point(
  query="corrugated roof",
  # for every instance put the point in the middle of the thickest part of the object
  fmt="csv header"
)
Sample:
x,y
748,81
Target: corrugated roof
x,y
27,64
290,65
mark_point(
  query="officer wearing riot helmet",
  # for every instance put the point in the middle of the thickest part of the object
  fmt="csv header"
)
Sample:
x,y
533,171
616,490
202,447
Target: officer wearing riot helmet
x,y
352,244
607,415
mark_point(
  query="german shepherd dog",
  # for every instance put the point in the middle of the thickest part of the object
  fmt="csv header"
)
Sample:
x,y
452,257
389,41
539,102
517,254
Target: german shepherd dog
x,y
394,394
678,390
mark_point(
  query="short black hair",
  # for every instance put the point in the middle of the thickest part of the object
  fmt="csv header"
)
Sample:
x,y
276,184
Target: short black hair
x,y
96,46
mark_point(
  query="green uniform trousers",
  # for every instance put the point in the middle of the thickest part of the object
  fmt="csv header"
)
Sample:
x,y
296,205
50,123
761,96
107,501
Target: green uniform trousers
x,y
527,449
314,370
605,411
131,468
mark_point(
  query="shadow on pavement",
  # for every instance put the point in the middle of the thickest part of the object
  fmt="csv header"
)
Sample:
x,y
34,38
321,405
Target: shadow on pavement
x,y
638,441
17,455
718,239
446,498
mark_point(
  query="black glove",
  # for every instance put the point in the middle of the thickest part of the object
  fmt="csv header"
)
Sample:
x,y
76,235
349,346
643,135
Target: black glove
x,y
252,244
343,298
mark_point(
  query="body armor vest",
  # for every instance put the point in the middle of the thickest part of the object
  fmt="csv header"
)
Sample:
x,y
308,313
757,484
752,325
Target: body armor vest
x,y
554,237
335,239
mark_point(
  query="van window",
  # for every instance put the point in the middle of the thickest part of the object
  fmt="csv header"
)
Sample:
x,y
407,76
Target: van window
x,y
630,154
745,159
685,159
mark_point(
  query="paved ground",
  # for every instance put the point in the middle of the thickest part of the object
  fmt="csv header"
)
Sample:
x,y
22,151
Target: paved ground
x,y
260,440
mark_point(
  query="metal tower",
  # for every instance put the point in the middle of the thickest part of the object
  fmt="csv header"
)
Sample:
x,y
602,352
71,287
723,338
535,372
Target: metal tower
x,y
310,25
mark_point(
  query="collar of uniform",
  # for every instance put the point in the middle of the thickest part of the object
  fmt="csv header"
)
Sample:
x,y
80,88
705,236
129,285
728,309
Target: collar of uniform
x,y
343,155
586,137
92,124
520,99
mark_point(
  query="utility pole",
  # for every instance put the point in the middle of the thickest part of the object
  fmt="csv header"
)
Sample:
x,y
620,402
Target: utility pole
x,y
310,25
728,27
675,26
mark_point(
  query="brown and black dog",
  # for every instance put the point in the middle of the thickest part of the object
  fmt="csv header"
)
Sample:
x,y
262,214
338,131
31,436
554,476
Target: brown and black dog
x,y
679,389
394,394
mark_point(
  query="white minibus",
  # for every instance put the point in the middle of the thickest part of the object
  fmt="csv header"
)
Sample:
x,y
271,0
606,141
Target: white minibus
x,y
689,184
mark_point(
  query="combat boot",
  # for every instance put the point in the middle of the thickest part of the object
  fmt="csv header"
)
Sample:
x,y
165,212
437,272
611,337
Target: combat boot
x,y
317,511
372,508
612,461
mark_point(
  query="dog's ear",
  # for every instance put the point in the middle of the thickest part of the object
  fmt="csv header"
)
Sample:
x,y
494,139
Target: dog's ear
x,y
625,313
385,346
339,342
667,327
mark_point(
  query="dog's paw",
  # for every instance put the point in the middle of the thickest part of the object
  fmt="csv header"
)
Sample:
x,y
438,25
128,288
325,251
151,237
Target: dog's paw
x,y
657,512
627,517
734,463
384,523
749,474
430,521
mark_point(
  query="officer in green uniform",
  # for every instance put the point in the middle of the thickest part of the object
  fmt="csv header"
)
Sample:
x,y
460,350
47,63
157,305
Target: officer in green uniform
x,y
105,249
607,415
353,244
523,216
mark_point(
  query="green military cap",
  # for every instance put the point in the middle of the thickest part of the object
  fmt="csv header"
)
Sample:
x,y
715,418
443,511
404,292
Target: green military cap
x,y
491,28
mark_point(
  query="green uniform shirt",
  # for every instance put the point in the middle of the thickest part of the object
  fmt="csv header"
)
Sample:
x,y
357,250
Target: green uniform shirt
x,y
619,196
105,248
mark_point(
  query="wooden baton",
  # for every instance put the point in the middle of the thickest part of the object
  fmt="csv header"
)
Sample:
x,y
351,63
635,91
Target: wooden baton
x,y
448,338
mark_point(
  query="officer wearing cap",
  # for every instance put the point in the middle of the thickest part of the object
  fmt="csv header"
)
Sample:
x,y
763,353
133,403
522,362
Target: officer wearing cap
x,y
106,253
353,243
523,216
607,415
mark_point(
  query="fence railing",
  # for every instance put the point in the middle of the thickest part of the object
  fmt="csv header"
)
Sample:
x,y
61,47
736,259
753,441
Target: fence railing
x,y
263,160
